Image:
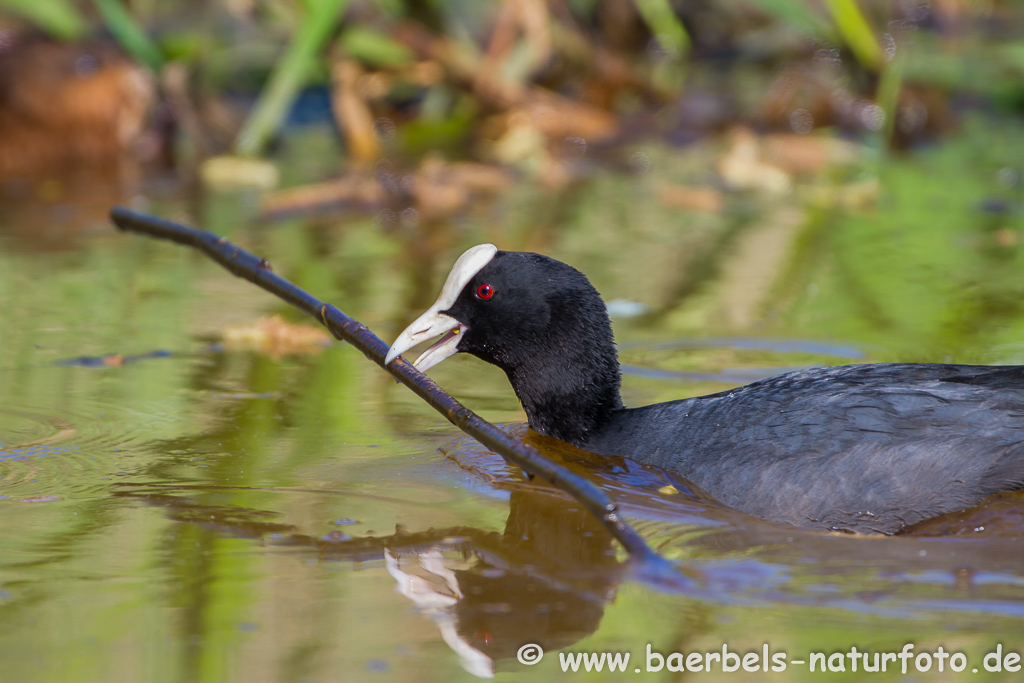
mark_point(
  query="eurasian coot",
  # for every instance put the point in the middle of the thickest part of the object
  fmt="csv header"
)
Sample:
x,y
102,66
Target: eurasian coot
x,y
873,447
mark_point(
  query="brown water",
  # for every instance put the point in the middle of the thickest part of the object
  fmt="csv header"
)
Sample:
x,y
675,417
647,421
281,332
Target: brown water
x,y
189,511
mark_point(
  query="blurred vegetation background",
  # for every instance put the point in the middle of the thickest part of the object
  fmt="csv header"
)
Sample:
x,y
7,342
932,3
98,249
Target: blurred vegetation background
x,y
754,185
868,152
513,81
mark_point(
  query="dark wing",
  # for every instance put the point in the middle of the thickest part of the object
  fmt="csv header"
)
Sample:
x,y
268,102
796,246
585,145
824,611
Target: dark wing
x,y
864,447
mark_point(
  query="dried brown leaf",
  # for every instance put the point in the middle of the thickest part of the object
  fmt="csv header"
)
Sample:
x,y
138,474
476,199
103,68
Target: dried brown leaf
x,y
695,198
275,337
742,168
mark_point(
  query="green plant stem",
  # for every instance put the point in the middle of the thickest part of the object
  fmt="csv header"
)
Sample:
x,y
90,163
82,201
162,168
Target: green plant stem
x,y
857,33
661,19
289,75
888,94
131,36
60,18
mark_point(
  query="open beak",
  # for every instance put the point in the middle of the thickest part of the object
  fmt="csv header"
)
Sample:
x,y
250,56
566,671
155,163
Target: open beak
x,y
434,322
427,326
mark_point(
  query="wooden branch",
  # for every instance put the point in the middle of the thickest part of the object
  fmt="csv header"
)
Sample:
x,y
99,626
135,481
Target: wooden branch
x,y
647,564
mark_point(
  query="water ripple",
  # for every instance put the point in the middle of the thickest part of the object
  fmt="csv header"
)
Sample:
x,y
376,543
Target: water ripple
x,y
47,455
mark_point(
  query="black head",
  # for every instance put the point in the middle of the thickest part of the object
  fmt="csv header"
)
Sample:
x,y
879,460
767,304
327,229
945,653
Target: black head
x,y
544,324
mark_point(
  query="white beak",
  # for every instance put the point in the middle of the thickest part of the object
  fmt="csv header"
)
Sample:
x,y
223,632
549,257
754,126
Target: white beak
x,y
433,322
428,326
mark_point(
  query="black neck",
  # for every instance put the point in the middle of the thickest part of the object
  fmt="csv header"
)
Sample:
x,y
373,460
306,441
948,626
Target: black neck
x,y
569,398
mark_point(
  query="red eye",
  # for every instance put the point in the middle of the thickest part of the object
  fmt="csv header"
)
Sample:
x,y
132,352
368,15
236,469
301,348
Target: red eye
x,y
485,291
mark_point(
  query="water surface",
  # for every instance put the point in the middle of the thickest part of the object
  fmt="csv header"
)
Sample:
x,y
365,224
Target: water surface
x,y
175,508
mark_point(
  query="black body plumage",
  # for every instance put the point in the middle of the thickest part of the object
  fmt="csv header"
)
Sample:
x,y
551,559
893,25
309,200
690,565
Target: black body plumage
x,y
860,447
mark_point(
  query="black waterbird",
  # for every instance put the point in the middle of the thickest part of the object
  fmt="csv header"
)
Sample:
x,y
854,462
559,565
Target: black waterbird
x,y
866,448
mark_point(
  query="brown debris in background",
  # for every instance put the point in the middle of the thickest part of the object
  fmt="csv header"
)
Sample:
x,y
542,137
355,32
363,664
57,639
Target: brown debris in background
x,y
805,155
559,117
441,189
352,113
770,163
552,114
275,337
742,167
63,104
354,192
804,97
437,190
530,17
695,198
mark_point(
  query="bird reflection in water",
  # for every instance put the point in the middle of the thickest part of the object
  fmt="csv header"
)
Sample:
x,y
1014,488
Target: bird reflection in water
x,y
544,580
